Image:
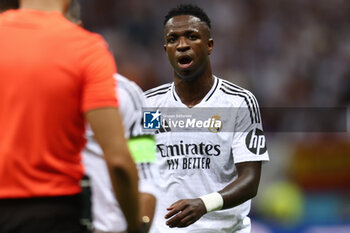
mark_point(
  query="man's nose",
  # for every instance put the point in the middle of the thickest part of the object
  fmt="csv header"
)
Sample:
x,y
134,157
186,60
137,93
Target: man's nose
x,y
182,45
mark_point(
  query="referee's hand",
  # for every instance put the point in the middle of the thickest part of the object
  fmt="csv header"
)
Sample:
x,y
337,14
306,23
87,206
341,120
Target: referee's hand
x,y
144,226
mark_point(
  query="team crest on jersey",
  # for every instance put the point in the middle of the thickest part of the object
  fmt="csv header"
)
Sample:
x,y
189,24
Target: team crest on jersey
x,y
215,128
255,142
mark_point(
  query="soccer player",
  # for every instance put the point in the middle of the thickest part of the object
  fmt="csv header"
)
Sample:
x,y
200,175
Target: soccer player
x,y
206,179
53,76
107,216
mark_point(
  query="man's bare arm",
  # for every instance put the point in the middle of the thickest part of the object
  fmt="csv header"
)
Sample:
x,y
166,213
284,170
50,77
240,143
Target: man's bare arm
x,y
187,211
109,133
245,187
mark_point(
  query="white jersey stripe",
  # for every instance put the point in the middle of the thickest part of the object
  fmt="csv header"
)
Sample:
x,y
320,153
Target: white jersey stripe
x,y
245,99
251,97
160,92
252,103
173,92
163,87
233,85
257,106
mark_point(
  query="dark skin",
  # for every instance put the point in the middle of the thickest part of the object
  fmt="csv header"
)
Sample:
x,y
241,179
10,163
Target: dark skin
x,y
188,45
189,41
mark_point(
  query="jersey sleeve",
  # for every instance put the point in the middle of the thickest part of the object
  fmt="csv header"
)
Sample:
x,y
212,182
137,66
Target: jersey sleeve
x,y
146,178
131,103
142,147
249,143
98,84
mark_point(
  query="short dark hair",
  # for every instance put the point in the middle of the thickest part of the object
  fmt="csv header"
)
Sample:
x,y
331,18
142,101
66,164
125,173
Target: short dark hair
x,y
8,4
188,9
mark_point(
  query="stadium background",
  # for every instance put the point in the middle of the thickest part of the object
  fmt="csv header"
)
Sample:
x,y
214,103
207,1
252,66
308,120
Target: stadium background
x,y
289,54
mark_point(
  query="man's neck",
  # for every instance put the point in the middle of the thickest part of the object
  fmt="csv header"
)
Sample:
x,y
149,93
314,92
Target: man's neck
x,y
191,93
45,5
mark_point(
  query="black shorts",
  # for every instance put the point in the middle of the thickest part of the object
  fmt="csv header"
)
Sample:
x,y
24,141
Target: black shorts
x,y
41,215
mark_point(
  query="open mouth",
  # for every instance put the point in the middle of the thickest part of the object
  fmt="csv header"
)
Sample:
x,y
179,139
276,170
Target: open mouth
x,y
185,62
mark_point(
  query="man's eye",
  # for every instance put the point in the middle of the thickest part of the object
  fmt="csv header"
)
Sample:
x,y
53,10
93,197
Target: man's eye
x,y
171,40
193,37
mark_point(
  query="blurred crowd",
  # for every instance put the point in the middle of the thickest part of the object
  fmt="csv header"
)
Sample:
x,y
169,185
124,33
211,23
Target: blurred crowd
x,y
289,53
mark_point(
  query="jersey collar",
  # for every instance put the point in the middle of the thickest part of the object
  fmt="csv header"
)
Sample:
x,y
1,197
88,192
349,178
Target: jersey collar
x,y
206,97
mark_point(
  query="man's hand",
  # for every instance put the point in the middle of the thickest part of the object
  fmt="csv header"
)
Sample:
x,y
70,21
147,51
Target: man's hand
x,y
185,212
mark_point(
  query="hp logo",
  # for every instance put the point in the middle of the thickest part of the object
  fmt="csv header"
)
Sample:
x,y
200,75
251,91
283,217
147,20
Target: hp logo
x,y
255,142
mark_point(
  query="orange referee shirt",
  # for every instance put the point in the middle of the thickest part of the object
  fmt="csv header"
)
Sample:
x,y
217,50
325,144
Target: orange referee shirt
x,y
51,73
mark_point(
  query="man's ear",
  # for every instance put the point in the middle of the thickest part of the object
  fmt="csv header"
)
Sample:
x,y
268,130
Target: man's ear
x,y
80,23
210,45
164,46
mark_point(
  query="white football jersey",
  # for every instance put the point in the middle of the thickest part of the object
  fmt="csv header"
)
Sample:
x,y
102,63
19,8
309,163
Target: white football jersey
x,y
191,164
106,212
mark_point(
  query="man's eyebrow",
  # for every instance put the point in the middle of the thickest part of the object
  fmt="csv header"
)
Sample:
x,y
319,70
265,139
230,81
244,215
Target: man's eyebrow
x,y
174,33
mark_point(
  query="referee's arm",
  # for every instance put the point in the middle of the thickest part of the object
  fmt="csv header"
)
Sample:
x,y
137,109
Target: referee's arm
x,y
107,126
